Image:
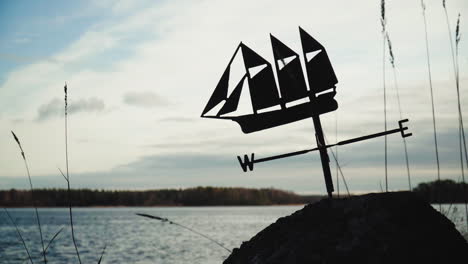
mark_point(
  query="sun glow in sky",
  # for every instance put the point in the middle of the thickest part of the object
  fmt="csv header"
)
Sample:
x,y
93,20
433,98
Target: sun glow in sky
x,y
139,74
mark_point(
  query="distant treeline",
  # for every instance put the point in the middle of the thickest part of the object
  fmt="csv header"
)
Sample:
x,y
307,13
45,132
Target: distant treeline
x,y
444,191
171,197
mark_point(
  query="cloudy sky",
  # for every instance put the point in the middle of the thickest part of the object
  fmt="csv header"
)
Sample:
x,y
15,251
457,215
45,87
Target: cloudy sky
x,y
139,73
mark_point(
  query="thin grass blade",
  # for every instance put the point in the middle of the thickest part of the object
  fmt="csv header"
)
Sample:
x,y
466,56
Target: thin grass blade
x,y
32,195
53,238
457,32
19,235
61,172
154,217
67,178
102,254
187,228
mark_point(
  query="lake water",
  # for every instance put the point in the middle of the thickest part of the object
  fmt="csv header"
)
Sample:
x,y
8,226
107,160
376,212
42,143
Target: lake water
x,y
134,239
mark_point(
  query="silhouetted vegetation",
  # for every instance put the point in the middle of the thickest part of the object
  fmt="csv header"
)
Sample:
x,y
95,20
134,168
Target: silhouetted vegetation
x,y
169,197
444,191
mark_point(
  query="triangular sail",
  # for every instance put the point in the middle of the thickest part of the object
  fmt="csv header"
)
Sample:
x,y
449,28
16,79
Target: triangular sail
x,y
320,73
233,101
288,67
221,91
263,91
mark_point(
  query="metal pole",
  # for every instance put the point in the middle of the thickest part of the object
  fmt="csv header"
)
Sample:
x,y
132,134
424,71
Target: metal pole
x,y
323,155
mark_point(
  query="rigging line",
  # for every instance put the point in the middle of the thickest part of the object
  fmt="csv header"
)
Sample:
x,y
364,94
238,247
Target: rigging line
x,y
432,98
339,168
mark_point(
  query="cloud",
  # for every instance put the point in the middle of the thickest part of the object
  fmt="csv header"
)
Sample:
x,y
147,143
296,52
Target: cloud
x,y
177,119
130,42
144,99
54,108
21,40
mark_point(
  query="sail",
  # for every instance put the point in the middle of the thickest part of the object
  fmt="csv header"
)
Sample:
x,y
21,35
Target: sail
x,y
262,85
221,91
320,72
233,101
288,67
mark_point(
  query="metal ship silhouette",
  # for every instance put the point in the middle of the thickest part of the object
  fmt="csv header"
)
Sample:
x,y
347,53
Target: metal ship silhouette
x,y
293,101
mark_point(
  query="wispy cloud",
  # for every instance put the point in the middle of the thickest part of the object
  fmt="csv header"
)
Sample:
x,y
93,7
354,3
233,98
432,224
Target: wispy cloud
x,y
144,99
21,40
54,108
177,119
126,43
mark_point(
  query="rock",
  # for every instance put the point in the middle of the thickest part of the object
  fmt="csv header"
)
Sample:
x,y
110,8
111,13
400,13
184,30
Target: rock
x,y
374,228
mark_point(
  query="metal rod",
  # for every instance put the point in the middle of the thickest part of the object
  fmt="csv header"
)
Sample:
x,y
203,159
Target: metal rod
x,y
323,155
323,146
285,155
345,142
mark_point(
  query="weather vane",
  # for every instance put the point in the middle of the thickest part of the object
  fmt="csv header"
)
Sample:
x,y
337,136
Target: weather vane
x,y
296,102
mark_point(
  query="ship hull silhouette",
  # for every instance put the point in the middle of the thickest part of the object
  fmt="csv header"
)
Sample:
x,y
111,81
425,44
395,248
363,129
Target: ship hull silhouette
x,y
315,91
256,122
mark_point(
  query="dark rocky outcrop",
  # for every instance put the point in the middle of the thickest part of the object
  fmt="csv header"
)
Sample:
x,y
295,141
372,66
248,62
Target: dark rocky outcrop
x,y
375,228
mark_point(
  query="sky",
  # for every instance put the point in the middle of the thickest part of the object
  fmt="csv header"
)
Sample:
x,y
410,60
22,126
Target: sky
x,y
139,74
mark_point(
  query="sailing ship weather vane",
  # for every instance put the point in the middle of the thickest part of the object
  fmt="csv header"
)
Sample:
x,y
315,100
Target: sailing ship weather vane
x,y
270,109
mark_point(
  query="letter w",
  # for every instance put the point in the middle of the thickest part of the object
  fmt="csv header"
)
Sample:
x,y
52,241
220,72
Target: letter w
x,y
246,163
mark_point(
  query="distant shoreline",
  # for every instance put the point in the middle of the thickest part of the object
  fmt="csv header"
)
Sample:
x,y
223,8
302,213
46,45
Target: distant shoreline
x,y
155,206
444,192
199,196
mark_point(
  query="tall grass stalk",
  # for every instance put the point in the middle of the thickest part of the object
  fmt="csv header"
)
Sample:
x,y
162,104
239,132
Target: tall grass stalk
x,y
384,22
32,195
423,6
461,128
392,62
185,227
19,235
67,178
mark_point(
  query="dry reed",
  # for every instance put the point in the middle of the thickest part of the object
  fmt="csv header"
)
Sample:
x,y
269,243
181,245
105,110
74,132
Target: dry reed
x,y
67,178
423,6
383,21
185,227
19,235
32,194
392,62
461,128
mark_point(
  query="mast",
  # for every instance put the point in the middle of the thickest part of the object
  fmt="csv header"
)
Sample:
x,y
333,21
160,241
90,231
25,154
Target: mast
x,y
321,77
